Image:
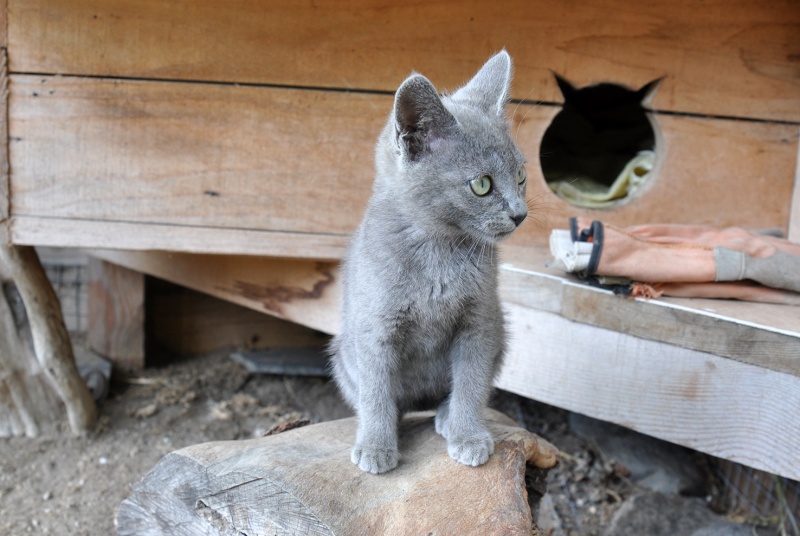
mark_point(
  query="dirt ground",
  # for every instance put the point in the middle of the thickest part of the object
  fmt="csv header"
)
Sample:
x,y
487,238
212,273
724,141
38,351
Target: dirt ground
x,y
73,485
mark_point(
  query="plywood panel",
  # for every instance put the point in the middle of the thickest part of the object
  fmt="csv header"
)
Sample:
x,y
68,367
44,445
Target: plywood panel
x,y
733,410
184,157
725,57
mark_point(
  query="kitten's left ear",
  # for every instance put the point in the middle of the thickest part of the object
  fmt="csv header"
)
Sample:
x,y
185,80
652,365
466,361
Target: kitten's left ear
x,y
489,88
420,117
648,91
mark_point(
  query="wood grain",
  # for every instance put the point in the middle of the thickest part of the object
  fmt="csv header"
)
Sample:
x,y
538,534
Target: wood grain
x,y
306,292
723,57
732,410
250,159
116,314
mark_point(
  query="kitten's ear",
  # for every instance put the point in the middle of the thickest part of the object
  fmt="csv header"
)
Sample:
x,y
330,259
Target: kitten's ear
x,y
648,91
567,89
420,117
489,88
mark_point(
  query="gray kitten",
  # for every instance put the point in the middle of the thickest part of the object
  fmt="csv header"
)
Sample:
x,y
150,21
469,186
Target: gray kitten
x,y
422,325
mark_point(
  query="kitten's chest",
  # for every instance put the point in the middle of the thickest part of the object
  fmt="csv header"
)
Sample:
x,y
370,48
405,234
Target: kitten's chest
x,y
443,282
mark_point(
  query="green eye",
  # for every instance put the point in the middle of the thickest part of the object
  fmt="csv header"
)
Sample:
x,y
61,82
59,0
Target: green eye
x,y
521,176
482,185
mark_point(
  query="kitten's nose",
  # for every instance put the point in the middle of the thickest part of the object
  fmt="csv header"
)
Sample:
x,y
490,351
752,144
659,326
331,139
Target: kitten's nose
x,y
519,218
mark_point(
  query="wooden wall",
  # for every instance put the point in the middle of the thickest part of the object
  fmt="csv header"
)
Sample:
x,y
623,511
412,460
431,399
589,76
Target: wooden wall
x,y
248,126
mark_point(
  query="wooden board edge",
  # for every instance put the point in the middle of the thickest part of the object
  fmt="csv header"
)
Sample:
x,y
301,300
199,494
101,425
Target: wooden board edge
x,y
91,234
700,330
709,403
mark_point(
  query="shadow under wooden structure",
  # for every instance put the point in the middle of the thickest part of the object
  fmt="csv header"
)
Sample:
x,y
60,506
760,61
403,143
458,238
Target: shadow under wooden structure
x,y
227,146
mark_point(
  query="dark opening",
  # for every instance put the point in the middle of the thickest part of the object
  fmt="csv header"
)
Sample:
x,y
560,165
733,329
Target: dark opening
x,y
600,148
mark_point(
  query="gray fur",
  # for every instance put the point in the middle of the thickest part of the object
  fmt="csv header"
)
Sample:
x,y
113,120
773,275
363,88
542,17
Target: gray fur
x,y
422,325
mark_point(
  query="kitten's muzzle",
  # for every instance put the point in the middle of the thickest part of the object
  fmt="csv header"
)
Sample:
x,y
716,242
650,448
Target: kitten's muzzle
x,y
518,219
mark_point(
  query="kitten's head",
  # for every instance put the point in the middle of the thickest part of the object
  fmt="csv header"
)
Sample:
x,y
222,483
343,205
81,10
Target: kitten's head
x,y
450,162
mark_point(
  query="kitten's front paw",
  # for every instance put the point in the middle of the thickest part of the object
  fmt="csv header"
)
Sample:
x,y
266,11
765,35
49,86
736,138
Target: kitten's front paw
x,y
472,451
374,460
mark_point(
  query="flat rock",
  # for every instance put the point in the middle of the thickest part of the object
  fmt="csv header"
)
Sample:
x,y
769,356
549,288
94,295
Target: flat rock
x,y
302,482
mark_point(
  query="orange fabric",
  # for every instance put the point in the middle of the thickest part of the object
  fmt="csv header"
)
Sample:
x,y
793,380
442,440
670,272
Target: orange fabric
x,y
679,260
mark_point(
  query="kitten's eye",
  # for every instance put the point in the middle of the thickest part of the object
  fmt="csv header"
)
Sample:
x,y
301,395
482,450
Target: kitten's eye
x,y
482,185
522,175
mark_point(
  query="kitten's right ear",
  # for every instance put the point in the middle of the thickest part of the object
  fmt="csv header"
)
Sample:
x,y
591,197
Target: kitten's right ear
x,y
420,117
567,89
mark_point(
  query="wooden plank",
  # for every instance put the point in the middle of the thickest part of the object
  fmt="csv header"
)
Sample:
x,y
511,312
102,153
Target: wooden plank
x,y
193,154
184,322
300,162
61,232
724,57
116,314
305,292
716,405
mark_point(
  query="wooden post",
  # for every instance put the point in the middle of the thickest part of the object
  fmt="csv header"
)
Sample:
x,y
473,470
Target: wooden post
x,y
116,313
51,341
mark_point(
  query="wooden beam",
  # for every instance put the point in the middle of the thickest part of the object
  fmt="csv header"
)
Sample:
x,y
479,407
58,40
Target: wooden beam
x,y
116,314
306,292
732,410
124,165
722,57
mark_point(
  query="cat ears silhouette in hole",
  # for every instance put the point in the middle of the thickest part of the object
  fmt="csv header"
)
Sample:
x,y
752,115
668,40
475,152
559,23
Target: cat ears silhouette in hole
x,y
607,93
601,147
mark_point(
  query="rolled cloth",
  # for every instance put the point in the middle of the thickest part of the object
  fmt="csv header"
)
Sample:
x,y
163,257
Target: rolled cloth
x,y
682,260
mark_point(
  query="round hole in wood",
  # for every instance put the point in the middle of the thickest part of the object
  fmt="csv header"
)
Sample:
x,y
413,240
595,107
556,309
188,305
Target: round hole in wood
x,y
601,148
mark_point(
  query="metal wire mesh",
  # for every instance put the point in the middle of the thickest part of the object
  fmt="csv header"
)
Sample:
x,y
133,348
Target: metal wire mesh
x,y
67,272
754,494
